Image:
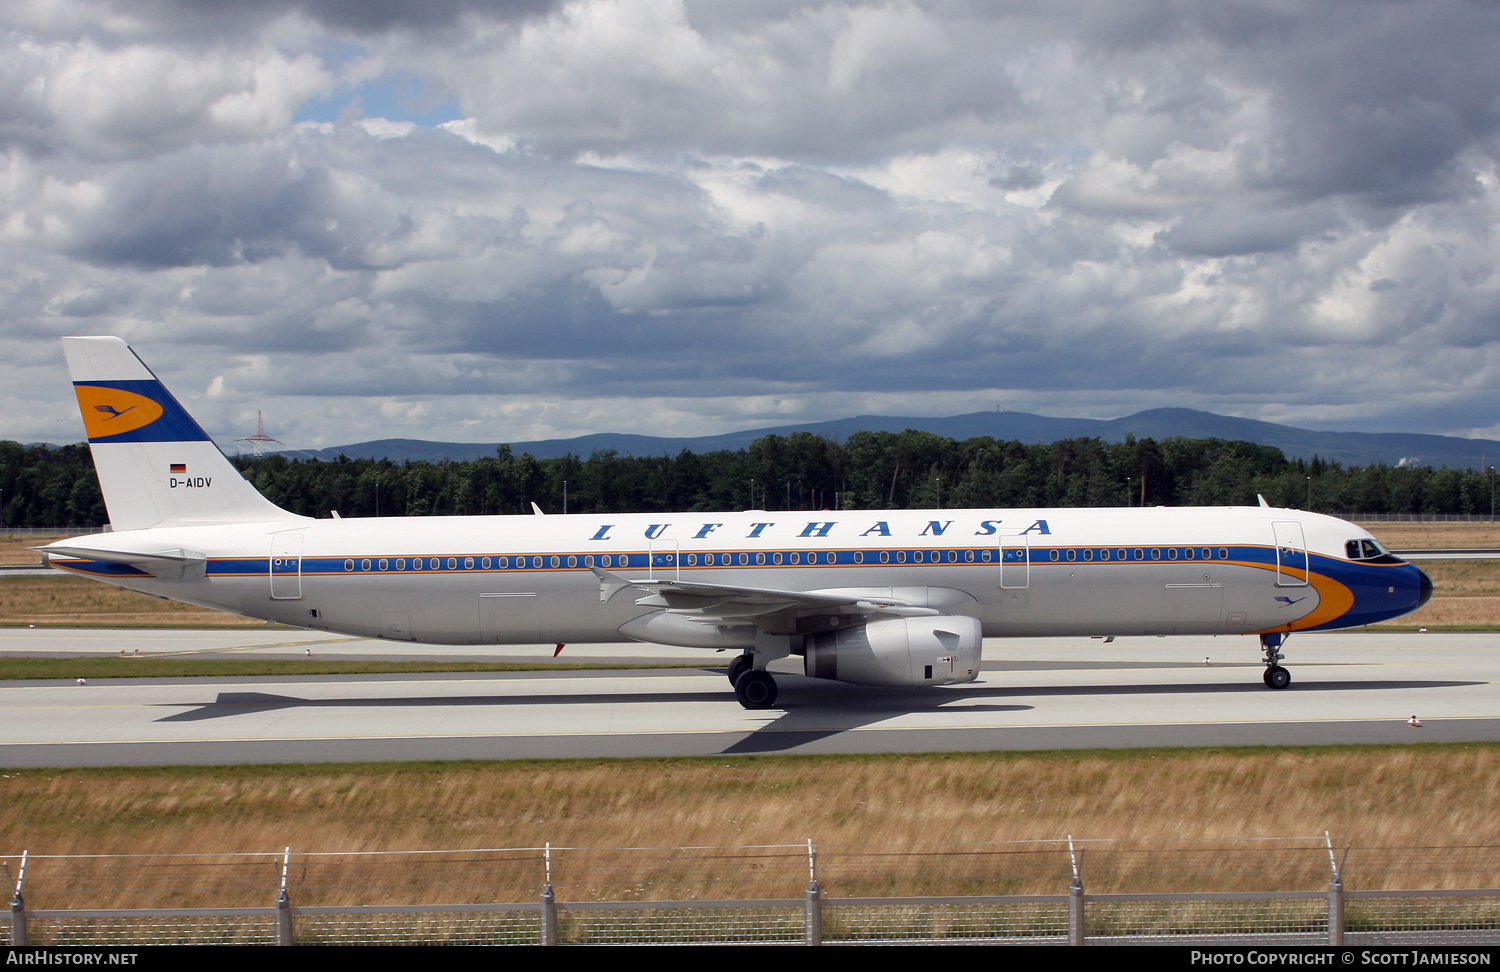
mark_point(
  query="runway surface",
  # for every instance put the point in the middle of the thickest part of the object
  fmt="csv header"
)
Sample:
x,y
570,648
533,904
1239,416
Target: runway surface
x,y
1358,687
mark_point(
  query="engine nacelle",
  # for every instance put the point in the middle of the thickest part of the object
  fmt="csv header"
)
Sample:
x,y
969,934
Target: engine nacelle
x,y
907,652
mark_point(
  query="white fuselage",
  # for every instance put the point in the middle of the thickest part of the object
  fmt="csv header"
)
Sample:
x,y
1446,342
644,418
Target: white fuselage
x,y
527,579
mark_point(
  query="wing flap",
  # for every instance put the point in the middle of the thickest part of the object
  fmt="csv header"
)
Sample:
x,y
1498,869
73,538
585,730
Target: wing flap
x,y
729,603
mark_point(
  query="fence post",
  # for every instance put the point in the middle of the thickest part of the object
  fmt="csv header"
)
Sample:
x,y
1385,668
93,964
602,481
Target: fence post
x,y
18,922
1335,893
283,918
1076,926
549,900
284,903
18,934
1336,911
814,931
549,916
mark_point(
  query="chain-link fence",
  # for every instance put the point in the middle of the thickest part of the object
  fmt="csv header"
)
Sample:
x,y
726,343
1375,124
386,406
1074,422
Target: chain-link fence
x,y
1283,891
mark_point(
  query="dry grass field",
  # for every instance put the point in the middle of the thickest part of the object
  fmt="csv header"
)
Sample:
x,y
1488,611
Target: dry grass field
x,y
73,601
14,549
1402,808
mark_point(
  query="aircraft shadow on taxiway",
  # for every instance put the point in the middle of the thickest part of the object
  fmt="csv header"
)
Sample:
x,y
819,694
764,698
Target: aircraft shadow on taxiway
x,y
836,707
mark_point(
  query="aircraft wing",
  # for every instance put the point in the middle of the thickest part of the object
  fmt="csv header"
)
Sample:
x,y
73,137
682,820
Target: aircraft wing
x,y
726,602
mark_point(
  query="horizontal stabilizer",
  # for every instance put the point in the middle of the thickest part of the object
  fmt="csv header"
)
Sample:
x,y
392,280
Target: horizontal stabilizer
x,y
155,561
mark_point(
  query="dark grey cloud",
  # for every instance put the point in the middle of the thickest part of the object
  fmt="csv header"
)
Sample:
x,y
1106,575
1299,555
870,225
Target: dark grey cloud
x,y
665,215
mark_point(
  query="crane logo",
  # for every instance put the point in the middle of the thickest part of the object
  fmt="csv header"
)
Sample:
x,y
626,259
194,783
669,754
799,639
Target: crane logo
x,y
114,411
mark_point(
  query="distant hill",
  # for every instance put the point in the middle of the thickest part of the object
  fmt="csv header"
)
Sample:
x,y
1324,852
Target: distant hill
x,y
1350,448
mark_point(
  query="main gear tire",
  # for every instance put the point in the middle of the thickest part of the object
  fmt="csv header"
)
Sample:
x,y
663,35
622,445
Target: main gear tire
x,y
756,689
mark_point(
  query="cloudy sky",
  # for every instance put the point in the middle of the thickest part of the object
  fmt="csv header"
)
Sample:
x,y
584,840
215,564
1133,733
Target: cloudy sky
x,y
490,220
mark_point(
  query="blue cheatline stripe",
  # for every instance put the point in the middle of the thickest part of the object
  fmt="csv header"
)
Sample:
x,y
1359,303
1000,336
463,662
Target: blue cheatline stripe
x,y
100,568
173,425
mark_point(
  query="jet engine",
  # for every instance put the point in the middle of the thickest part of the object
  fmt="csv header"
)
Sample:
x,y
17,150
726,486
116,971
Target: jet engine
x,y
907,652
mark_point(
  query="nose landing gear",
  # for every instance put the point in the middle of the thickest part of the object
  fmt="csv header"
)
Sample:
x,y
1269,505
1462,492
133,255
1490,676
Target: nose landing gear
x,y
1276,677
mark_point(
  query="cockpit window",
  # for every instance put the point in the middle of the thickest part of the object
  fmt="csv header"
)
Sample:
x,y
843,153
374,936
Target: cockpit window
x,y
1369,551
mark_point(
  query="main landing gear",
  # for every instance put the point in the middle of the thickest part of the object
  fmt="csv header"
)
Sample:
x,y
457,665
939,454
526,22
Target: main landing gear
x,y
1276,677
755,688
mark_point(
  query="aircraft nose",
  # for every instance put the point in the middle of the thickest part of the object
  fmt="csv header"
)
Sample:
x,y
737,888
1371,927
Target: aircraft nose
x,y
1425,592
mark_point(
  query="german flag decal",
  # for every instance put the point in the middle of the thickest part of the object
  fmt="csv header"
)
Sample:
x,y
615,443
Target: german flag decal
x,y
179,467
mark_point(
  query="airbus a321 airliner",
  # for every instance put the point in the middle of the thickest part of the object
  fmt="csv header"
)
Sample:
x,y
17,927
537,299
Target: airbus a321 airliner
x,y
874,597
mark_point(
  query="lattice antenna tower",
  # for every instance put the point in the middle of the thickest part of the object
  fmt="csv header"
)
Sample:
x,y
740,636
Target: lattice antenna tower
x,y
259,439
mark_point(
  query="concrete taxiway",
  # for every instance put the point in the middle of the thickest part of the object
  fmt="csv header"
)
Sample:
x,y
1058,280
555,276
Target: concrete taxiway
x,y
1061,693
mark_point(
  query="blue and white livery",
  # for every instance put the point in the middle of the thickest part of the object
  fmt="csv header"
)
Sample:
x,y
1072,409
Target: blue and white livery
x,y
893,597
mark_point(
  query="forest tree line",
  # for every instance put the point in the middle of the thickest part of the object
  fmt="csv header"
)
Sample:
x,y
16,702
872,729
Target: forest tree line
x,y
45,486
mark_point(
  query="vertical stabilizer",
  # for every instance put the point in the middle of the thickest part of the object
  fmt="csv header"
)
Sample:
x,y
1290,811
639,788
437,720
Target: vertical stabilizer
x,y
156,465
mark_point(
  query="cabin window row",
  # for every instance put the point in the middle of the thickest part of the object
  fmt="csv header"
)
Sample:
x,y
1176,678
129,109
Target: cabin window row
x,y
1136,553
1013,555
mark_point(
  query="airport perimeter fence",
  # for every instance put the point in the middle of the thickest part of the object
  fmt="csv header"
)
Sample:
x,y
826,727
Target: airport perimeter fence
x,y
1417,517
1265,892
